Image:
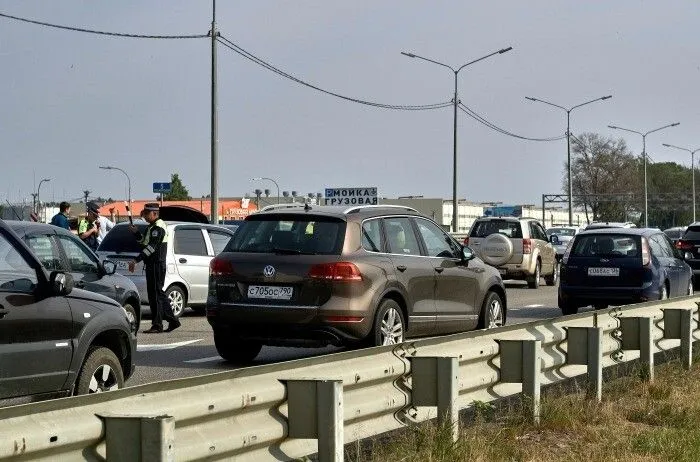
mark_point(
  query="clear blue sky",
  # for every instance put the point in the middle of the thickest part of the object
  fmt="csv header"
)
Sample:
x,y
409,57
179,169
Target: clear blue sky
x,y
72,101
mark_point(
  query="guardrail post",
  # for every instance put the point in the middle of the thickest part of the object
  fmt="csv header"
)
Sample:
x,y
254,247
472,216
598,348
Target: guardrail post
x,y
435,382
637,335
585,347
315,409
520,363
678,324
139,438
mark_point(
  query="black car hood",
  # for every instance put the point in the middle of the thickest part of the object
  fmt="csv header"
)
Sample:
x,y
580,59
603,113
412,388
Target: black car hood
x,y
182,213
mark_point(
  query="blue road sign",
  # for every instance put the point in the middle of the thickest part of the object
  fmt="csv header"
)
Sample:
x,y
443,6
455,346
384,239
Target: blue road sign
x,y
161,187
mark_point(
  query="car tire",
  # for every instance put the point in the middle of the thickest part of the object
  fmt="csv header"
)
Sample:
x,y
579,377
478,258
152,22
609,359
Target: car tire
x,y
101,372
553,278
178,300
663,292
236,350
534,281
389,325
493,312
132,316
200,310
566,306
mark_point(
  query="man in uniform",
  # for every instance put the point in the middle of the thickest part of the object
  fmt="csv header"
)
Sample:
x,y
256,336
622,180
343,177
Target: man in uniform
x,y
155,249
89,227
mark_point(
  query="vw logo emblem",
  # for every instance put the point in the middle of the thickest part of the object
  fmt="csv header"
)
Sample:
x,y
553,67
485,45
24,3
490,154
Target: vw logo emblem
x,y
269,271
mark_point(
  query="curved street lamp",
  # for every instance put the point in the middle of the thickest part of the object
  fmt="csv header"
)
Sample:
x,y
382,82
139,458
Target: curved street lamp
x,y
692,168
455,103
568,141
644,156
109,167
38,198
269,179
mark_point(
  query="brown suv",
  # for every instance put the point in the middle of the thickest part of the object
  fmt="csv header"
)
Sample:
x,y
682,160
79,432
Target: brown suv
x,y
518,247
372,275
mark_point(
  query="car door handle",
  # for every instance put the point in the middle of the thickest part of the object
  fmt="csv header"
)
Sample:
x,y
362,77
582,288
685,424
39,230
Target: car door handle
x,y
439,269
183,260
401,268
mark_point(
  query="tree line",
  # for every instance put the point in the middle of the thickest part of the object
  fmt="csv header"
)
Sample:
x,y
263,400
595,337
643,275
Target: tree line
x,y
608,184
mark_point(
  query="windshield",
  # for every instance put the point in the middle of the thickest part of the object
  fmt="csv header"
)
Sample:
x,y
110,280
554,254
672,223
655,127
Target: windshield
x,y
121,240
561,231
290,234
607,245
488,227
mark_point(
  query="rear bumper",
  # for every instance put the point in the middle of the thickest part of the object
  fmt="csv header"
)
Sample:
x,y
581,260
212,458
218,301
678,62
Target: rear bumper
x,y
305,326
584,295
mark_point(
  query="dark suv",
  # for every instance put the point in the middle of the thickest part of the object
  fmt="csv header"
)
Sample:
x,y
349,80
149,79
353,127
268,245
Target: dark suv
x,y
54,339
370,275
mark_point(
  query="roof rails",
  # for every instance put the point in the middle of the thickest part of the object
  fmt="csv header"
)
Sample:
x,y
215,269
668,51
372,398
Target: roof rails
x,y
387,206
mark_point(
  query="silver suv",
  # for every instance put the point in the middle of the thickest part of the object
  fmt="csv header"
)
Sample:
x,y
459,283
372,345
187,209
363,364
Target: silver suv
x,y
518,247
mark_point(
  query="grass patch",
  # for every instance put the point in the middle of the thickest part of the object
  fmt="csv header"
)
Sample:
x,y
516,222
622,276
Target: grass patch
x,y
636,421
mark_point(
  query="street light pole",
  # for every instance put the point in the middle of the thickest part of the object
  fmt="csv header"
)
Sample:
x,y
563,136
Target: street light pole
x,y
455,102
269,179
644,157
214,124
568,143
109,167
38,197
692,167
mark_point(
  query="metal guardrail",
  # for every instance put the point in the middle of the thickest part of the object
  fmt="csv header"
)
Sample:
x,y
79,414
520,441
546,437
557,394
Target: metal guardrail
x,y
289,410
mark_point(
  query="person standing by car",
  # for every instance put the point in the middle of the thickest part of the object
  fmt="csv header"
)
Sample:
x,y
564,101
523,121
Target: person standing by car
x,y
104,225
61,218
155,249
89,227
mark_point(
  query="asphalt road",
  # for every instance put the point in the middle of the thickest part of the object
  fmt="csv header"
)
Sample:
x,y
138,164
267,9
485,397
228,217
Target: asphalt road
x,y
190,350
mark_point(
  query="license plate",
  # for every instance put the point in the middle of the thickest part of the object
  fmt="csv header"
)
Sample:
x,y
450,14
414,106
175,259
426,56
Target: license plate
x,y
604,272
123,265
270,292
503,271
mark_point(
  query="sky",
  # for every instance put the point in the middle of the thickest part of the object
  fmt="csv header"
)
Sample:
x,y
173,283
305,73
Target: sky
x,y
71,102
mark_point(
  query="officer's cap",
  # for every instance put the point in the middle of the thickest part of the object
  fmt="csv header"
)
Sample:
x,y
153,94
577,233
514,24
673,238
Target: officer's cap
x,y
151,207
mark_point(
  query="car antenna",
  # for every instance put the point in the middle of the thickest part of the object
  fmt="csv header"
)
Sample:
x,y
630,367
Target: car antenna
x,y
14,210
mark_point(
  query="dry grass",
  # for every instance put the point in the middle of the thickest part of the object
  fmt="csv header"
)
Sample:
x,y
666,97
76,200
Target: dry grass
x,y
635,422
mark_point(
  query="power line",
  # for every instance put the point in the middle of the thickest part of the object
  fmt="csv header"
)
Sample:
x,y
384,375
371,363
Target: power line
x,y
482,120
100,32
246,54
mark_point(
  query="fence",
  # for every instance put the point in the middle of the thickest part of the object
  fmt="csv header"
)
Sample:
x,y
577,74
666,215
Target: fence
x,y
289,410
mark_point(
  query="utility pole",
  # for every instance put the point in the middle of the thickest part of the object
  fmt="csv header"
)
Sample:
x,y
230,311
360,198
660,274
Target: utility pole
x,y
214,124
87,194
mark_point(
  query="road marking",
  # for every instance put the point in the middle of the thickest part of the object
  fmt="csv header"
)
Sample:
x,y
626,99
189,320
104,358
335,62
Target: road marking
x,y
166,346
534,306
210,359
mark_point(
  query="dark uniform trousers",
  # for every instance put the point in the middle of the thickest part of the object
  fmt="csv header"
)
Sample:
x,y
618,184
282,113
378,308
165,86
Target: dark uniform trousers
x,y
155,278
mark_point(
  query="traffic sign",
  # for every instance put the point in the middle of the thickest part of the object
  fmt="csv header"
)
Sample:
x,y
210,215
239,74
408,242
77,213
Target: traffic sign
x,y
351,196
161,187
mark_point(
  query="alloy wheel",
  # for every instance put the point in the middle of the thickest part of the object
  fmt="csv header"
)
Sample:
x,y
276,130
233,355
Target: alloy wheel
x,y
495,310
103,379
392,327
176,302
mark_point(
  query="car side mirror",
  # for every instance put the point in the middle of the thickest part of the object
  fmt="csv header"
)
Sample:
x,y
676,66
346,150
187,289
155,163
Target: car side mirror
x,y
554,239
467,254
61,283
109,267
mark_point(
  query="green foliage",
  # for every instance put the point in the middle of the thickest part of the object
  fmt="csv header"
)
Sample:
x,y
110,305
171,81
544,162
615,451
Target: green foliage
x,y
178,191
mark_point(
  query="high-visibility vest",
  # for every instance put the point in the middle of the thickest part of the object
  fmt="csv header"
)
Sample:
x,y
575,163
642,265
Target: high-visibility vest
x,y
147,235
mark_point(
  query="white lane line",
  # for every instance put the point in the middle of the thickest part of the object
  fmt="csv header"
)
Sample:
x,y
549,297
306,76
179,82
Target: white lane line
x,y
534,306
210,359
166,346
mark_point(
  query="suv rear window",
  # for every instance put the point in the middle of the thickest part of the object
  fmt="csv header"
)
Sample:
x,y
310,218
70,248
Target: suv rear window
x,y
692,234
290,234
486,228
607,245
121,239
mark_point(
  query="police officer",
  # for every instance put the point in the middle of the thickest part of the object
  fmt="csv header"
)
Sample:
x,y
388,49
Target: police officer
x,y
89,227
155,249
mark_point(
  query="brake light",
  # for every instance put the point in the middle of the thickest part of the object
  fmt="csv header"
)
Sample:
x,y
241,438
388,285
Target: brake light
x,y
339,271
527,246
466,241
684,245
219,266
646,256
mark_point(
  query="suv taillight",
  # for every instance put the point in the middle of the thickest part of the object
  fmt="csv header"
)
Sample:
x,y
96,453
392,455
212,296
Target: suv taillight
x,y
646,256
466,241
339,271
527,246
219,266
684,245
